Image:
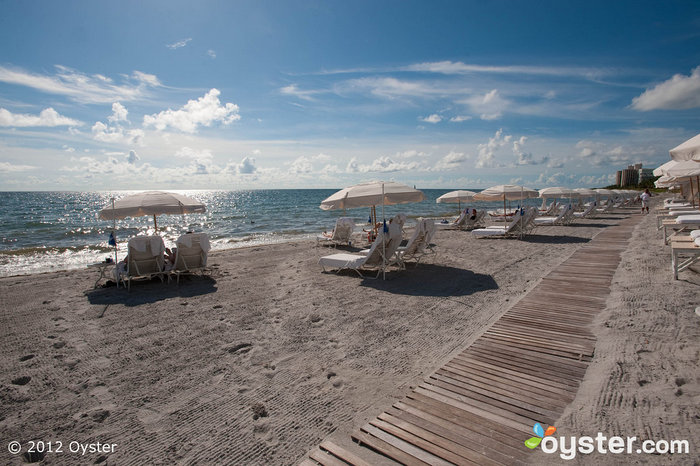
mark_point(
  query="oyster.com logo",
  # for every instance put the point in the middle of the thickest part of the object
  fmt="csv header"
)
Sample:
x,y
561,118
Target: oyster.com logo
x,y
539,431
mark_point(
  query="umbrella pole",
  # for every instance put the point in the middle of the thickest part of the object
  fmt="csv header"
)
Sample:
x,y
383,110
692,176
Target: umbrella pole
x,y
383,239
114,234
155,222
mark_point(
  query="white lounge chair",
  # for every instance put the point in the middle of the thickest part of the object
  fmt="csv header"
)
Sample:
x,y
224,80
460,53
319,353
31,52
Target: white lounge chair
x,y
191,254
342,233
560,219
418,245
501,230
377,258
588,212
145,259
684,254
681,224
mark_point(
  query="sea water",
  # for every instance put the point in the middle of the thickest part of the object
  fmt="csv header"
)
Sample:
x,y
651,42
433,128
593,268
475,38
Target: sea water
x,y
46,231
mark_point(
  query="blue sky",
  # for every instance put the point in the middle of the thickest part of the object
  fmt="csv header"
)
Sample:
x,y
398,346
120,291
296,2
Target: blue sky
x,y
304,94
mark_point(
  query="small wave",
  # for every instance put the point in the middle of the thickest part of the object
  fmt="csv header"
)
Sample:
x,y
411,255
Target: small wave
x,y
53,250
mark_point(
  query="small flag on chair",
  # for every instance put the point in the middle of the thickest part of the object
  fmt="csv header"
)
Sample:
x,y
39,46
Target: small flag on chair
x,y
112,239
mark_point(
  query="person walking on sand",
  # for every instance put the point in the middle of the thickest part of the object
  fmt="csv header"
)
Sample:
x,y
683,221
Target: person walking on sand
x,y
645,200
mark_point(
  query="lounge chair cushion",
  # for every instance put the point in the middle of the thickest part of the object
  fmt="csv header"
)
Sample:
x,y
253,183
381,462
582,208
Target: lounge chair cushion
x,y
690,219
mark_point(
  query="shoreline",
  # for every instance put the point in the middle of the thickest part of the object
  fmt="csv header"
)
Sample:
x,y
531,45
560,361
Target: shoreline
x,y
179,374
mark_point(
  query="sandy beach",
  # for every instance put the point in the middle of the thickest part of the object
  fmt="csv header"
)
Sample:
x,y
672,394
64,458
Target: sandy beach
x,y
267,356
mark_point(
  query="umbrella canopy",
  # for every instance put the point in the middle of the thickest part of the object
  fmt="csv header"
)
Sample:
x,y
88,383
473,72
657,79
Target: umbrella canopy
x,y
605,192
684,169
661,170
505,192
372,194
151,203
557,192
689,150
456,196
585,192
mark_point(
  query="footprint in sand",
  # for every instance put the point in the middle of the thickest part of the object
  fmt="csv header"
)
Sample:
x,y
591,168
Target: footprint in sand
x,y
24,380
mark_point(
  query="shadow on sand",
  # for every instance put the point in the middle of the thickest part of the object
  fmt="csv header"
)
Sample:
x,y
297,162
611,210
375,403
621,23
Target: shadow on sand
x,y
432,280
145,292
555,239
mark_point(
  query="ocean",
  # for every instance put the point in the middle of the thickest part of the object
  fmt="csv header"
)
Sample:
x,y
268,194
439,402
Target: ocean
x,y
47,231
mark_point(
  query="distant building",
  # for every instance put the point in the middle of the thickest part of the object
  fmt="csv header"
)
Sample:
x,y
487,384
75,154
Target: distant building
x,y
630,176
633,175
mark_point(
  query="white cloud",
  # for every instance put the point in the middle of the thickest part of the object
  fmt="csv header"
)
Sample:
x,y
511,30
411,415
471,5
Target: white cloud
x,y
487,151
294,91
596,181
388,87
410,154
245,167
47,117
133,157
6,167
451,161
434,118
116,134
179,44
382,165
490,105
678,93
201,112
526,158
211,53
460,118
450,67
301,165
119,113
82,87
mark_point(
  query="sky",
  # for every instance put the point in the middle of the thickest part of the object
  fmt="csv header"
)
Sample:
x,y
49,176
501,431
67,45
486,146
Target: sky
x,y
267,94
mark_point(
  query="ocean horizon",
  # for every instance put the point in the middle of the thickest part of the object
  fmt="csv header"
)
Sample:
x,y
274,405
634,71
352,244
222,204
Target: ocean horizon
x,y
46,231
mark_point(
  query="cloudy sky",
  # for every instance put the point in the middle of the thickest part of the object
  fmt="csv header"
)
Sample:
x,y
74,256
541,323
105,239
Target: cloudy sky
x,y
284,94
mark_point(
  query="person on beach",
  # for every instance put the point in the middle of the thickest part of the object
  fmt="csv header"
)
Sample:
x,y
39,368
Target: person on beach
x,y
645,200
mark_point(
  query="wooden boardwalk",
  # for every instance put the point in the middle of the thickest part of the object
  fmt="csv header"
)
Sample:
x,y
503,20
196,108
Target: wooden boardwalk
x,y
481,406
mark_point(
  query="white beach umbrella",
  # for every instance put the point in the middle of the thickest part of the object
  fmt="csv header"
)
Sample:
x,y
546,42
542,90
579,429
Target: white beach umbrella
x,y
605,192
505,192
557,192
151,203
585,192
661,170
689,150
148,203
456,196
372,194
687,168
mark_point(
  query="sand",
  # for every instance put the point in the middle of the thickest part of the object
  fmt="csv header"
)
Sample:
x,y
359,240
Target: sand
x,y
267,356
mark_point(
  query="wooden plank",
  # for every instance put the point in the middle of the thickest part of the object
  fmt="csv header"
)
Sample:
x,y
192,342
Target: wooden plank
x,y
509,371
505,416
343,454
511,388
438,445
513,400
386,449
470,438
325,459
465,418
531,358
388,433
493,402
